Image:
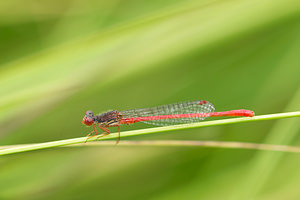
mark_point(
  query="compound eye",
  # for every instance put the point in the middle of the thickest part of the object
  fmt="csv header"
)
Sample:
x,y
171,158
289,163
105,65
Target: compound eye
x,y
89,114
87,121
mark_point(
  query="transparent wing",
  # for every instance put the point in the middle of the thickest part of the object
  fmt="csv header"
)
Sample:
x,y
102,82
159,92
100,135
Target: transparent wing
x,y
186,107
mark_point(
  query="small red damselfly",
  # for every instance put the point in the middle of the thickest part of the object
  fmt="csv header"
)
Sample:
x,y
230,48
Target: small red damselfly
x,y
165,115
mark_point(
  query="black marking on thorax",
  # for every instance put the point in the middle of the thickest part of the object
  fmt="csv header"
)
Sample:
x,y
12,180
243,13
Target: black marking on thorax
x,y
111,118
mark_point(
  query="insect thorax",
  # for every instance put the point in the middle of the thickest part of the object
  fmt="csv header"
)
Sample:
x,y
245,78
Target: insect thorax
x,y
111,118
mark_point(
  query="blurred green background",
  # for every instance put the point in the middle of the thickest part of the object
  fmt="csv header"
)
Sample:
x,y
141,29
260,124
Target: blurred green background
x,y
61,58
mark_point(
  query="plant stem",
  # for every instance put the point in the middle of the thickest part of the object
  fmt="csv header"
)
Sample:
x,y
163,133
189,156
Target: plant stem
x,y
218,144
168,143
45,145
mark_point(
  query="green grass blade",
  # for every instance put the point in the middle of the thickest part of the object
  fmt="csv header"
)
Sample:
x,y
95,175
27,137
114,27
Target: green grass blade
x,y
148,131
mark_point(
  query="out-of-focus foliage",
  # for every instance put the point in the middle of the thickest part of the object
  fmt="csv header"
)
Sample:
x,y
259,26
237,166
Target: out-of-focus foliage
x,y
61,58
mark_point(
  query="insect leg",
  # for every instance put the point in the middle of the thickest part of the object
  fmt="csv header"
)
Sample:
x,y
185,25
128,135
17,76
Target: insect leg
x,y
94,131
106,132
118,139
